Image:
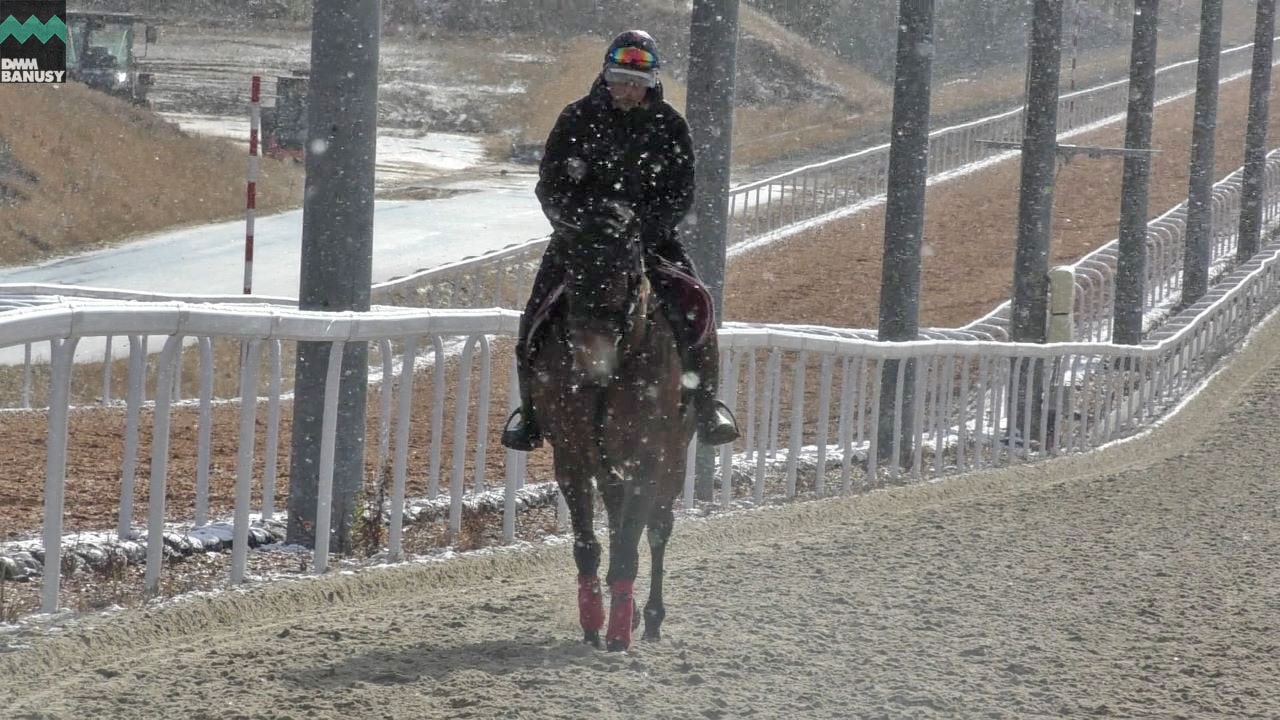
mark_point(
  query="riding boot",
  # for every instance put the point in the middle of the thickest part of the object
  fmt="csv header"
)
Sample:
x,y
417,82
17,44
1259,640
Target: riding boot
x,y
715,422
521,431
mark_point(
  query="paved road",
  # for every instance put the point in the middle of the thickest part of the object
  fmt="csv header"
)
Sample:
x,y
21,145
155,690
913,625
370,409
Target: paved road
x,y
408,236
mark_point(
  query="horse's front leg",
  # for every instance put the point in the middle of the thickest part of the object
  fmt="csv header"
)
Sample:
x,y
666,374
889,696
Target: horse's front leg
x,y
575,484
636,501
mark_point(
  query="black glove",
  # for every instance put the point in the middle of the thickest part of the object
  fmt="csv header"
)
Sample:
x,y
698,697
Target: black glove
x,y
611,218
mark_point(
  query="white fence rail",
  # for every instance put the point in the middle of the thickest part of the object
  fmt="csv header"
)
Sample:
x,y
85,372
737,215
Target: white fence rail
x,y
769,205
809,401
1094,295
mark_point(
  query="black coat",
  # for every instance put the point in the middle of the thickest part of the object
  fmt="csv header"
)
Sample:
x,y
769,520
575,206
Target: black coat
x,y
598,153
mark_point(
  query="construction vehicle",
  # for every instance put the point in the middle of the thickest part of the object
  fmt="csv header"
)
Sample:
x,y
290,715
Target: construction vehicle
x,y
100,53
284,127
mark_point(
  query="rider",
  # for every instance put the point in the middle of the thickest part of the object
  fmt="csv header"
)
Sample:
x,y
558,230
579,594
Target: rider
x,y
622,142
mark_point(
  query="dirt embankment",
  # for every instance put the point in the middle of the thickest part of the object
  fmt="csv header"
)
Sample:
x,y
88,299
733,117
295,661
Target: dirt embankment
x,y
87,169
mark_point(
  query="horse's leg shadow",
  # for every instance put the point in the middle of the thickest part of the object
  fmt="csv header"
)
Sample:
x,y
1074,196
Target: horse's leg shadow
x,y
578,495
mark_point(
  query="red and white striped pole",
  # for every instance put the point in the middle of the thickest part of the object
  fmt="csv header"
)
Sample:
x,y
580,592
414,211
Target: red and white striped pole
x,y
251,194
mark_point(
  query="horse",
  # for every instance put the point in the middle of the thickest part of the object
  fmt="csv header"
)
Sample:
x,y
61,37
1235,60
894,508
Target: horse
x,y
611,402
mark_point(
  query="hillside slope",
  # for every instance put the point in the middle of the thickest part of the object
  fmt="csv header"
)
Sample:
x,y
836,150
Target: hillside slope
x,y
80,169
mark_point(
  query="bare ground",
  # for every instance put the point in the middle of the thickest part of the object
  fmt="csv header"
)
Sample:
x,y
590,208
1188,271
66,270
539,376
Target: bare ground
x,y
1140,580
970,232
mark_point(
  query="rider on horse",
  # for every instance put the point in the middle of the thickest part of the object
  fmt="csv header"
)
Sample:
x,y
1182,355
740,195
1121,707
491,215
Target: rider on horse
x,y
622,146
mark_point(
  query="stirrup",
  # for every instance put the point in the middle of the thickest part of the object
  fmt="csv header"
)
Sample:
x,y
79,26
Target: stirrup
x,y
718,426
523,434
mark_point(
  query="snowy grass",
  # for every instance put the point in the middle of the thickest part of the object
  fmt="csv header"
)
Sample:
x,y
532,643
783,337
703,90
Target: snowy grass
x,y
106,170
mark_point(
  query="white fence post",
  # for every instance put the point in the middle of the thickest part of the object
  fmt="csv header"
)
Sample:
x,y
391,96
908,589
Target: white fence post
x,y
62,354
244,460
159,463
328,443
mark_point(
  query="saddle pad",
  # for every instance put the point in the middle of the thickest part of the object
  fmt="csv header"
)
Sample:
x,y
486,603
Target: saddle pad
x,y
692,297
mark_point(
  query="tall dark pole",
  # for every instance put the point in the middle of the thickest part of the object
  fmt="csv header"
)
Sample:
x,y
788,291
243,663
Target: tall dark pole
x,y
1132,259
1039,164
337,251
1255,150
713,51
904,210
1196,253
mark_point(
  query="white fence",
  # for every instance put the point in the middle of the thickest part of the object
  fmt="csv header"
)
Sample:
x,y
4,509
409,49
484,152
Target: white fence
x,y
769,205
808,401
1094,294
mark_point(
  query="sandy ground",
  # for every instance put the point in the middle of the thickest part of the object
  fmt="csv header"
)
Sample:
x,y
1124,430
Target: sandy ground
x,y
1142,580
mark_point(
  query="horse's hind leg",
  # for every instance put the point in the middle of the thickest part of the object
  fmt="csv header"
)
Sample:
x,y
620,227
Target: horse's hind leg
x,y
586,550
661,522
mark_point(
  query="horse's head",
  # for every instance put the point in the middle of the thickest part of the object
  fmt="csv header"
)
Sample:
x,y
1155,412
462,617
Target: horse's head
x,y
603,291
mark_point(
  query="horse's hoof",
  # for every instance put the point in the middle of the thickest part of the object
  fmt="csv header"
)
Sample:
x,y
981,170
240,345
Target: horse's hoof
x,y
592,638
617,646
652,635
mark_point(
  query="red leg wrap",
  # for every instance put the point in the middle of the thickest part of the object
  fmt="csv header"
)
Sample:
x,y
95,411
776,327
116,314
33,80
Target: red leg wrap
x,y
590,603
621,612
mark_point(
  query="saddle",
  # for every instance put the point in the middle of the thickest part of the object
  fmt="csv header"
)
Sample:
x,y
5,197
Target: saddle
x,y
683,296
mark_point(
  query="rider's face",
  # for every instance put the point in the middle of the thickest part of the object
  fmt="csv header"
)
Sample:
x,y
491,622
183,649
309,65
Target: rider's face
x,y
627,96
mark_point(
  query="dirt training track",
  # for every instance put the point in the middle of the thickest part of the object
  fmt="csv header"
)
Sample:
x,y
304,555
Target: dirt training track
x,y
1140,580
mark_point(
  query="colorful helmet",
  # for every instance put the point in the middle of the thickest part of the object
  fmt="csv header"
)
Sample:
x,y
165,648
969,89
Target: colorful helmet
x,y
632,58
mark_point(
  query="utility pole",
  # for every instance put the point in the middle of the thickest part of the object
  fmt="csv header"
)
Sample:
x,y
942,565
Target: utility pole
x,y
1255,150
1030,307
1132,259
713,52
904,212
1039,166
337,252
1196,252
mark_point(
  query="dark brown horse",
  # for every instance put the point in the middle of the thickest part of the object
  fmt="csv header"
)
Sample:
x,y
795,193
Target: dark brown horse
x,y
610,400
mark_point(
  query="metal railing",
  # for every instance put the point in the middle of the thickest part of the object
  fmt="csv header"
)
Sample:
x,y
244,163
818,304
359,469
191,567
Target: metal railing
x,y
1094,296
808,401
452,350
805,194
501,278
973,404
